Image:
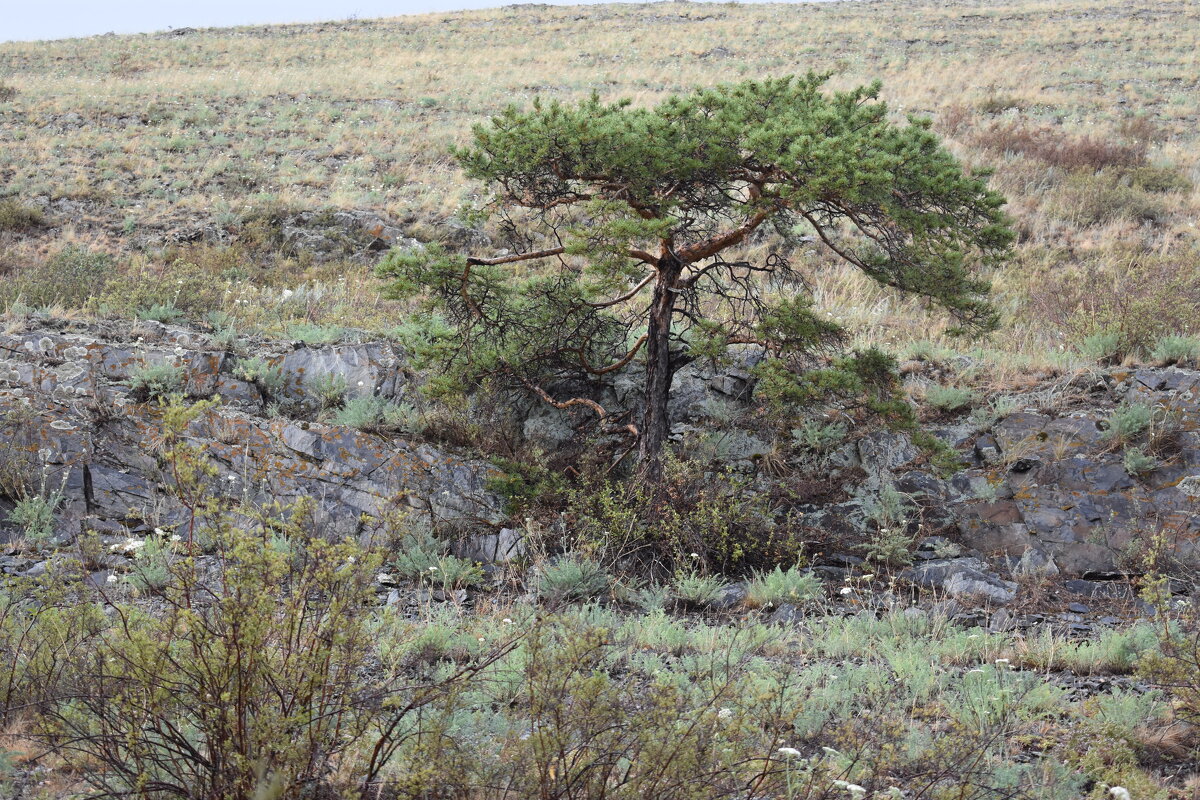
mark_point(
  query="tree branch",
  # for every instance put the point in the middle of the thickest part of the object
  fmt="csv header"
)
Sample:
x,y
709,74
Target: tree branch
x,y
715,244
625,359
626,296
536,254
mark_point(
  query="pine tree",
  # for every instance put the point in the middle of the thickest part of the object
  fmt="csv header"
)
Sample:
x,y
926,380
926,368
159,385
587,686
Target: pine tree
x,y
630,216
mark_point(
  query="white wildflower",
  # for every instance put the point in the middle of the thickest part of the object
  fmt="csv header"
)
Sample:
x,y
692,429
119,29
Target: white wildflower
x,y
854,789
112,579
845,590
725,713
788,752
1119,793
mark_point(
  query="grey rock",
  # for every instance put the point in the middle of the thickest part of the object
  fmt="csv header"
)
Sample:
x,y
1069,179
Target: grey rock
x,y
729,597
962,577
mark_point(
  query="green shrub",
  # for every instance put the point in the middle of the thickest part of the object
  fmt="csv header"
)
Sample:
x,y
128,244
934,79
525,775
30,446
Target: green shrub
x,y
151,381
695,589
1173,349
949,398
1128,421
71,278
16,216
165,313
779,586
266,376
1137,462
374,414
569,578
310,333
329,390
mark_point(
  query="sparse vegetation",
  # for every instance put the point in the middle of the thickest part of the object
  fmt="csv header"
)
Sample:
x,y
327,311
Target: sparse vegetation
x,y
240,634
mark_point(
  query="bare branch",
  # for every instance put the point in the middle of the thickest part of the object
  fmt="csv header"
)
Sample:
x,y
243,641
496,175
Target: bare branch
x,y
491,262
625,359
627,295
715,244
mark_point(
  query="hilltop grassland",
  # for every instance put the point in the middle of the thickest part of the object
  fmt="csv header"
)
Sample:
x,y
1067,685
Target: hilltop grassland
x,y
200,149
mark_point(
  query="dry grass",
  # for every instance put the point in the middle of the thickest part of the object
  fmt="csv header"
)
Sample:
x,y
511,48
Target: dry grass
x,y
129,140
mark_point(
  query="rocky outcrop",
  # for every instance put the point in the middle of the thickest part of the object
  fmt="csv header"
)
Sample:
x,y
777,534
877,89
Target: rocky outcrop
x,y
1047,491
72,419
1055,485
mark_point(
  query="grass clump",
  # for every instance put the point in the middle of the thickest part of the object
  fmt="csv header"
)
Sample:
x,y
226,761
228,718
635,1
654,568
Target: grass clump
x,y
949,399
1138,462
16,216
793,585
1173,349
266,376
155,381
693,589
35,516
569,578
1128,421
376,415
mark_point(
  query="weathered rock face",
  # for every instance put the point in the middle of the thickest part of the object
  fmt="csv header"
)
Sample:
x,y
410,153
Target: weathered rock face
x,y
1061,489
68,411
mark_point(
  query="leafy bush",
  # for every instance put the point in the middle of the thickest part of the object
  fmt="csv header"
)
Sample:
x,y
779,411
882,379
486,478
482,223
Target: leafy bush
x,y
162,312
151,381
374,414
695,589
949,398
1137,461
1174,349
779,586
1128,421
569,578
266,376
16,216
35,515
69,279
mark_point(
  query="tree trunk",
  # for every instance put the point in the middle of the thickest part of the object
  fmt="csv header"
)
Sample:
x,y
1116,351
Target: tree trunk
x,y
656,423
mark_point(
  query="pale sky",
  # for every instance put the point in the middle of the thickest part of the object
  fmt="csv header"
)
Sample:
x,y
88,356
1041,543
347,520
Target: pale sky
x,y
61,19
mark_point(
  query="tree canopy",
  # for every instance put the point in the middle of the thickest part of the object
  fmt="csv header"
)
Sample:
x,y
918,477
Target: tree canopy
x,y
626,230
